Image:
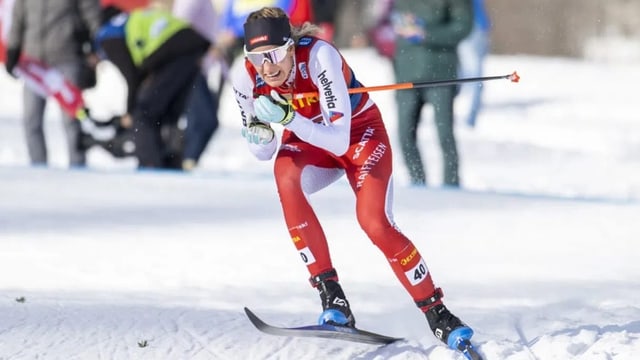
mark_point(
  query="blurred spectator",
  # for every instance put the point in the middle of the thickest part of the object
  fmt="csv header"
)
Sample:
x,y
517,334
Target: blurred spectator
x,y
380,32
55,33
126,5
159,64
6,8
202,106
351,23
324,14
427,35
300,12
472,52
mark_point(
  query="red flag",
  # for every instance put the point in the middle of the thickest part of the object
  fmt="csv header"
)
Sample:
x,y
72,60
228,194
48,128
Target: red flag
x,y
50,82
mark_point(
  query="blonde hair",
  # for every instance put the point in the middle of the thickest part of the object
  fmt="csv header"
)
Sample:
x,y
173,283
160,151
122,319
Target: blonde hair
x,y
307,29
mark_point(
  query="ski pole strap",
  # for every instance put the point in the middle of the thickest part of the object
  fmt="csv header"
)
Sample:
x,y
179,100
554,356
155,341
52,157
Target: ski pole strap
x,y
322,277
428,302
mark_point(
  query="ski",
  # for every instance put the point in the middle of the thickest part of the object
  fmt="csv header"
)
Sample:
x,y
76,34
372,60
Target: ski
x,y
464,346
322,331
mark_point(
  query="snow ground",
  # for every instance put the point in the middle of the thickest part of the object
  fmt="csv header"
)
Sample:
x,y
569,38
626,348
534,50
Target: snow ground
x,y
538,253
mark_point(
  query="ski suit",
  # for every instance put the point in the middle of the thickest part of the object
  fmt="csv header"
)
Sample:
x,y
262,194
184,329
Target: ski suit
x,y
330,135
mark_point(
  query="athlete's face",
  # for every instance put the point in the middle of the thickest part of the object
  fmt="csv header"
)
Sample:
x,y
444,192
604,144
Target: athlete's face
x,y
272,62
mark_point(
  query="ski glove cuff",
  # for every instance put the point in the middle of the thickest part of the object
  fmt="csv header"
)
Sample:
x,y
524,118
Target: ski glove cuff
x,y
258,133
273,108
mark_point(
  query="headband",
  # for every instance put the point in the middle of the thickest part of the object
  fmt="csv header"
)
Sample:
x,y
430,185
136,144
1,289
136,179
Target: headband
x,y
266,31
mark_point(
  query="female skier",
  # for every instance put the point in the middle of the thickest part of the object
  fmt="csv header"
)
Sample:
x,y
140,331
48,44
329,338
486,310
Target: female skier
x,y
324,137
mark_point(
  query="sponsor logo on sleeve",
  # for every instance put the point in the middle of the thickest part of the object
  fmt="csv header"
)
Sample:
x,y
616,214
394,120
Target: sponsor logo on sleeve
x,y
240,94
335,115
326,89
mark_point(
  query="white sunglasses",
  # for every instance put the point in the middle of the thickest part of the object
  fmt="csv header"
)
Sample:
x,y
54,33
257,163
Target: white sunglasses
x,y
274,56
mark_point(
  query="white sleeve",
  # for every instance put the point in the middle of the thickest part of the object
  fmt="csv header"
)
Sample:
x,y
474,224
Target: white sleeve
x,y
325,69
243,92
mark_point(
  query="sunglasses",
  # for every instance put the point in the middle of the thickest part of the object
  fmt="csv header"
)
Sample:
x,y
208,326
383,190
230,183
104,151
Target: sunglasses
x,y
274,56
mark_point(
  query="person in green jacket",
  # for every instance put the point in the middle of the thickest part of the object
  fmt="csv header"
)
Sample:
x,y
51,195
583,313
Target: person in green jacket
x,y
427,36
159,57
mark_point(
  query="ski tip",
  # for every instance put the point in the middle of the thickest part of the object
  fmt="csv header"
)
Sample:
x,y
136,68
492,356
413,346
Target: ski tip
x,y
250,313
253,317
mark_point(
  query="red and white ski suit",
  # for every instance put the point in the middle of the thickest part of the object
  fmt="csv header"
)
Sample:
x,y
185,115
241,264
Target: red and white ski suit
x,y
330,135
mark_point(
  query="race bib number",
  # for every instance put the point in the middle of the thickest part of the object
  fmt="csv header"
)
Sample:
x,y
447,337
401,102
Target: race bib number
x,y
307,256
418,273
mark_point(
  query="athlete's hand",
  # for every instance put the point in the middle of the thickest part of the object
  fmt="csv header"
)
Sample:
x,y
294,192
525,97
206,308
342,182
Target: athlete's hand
x,y
274,109
258,133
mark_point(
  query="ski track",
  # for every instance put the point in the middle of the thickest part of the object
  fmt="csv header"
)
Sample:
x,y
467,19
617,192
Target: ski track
x,y
80,331
509,327
523,339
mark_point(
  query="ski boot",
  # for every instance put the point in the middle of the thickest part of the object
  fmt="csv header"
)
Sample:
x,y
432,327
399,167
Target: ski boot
x,y
445,326
335,306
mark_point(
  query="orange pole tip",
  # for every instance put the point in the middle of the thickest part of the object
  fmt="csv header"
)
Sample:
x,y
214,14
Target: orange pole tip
x,y
514,77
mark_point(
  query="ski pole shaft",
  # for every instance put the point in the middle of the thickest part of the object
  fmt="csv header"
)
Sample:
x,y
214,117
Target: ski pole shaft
x,y
513,77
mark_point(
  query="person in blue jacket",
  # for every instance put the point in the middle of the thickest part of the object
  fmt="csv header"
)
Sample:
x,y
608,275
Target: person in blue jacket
x,y
472,52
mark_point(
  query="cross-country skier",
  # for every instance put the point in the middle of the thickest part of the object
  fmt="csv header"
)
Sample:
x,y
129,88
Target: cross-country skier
x,y
325,137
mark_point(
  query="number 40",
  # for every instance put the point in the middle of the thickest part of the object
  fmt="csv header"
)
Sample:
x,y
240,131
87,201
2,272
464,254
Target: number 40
x,y
420,272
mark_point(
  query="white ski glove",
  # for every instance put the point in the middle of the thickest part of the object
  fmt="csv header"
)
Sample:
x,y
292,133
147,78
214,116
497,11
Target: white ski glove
x,y
258,133
274,109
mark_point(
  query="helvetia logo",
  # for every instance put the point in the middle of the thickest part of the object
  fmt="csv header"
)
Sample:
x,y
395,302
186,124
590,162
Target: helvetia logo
x,y
327,91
